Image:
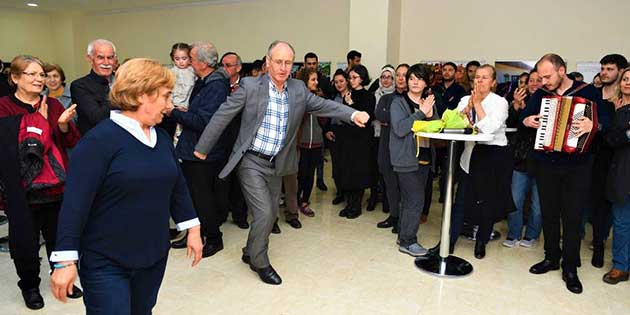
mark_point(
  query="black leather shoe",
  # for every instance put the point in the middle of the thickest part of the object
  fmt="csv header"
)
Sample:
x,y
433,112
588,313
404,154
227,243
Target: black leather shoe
x,y
76,293
338,200
353,214
182,243
395,228
33,299
276,229
211,248
598,256
572,281
480,250
246,259
242,224
268,275
435,251
295,223
322,186
371,204
344,212
544,267
385,224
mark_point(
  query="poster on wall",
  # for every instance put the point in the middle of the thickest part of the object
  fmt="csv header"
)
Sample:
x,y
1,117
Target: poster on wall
x,y
588,69
510,70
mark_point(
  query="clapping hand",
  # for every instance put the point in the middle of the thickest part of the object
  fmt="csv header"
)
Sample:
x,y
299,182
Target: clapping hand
x,y
43,107
426,105
66,117
348,98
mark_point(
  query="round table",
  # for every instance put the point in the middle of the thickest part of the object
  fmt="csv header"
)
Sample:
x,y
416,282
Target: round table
x,y
445,265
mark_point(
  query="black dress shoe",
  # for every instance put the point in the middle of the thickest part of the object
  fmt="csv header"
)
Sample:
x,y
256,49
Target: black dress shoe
x,y
598,256
435,250
371,204
33,299
276,229
76,293
338,200
544,267
246,259
344,212
395,228
242,224
211,248
182,243
387,223
322,186
480,250
295,223
353,214
267,275
572,281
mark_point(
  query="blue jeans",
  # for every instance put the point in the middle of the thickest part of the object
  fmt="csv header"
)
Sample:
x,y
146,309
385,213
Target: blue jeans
x,y
522,183
621,235
115,290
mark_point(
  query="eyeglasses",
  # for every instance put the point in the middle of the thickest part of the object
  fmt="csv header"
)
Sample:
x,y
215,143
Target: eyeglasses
x,y
354,77
280,63
32,75
230,65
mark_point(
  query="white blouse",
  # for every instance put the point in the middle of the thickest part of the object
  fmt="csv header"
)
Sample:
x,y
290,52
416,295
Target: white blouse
x,y
496,108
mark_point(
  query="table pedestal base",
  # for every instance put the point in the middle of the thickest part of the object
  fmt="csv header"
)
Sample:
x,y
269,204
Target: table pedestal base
x,y
449,267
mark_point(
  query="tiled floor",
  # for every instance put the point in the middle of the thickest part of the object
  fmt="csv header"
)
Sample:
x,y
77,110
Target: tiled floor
x,y
338,266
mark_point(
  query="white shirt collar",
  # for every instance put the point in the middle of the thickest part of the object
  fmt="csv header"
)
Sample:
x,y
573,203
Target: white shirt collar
x,y
132,126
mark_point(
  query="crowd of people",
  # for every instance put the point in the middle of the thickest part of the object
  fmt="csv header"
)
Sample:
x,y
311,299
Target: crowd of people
x,y
133,159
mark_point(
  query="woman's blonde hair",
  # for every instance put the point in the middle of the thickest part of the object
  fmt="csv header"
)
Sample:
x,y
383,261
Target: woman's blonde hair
x,y
136,77
19,64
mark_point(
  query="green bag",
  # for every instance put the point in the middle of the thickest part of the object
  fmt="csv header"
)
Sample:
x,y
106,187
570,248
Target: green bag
x,y
454,119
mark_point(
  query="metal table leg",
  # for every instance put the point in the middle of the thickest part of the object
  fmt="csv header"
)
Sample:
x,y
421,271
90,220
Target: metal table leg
x,y
445,265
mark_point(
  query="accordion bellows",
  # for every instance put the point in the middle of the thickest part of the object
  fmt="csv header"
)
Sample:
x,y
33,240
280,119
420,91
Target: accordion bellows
x,y
556,132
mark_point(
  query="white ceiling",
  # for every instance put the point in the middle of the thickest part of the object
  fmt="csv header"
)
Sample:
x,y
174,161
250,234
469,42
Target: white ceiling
x,y
105,5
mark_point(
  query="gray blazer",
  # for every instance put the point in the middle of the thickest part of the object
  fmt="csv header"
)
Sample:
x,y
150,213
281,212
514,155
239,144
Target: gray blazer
x,y
251,99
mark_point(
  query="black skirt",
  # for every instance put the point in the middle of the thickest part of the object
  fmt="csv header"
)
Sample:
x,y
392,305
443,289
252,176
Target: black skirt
x,y
491,177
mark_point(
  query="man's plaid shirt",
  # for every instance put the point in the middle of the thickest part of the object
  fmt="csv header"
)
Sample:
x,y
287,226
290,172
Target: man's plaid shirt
x,y
273,130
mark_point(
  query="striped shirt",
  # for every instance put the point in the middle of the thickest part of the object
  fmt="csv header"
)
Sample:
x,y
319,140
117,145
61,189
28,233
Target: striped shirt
x,y
271,134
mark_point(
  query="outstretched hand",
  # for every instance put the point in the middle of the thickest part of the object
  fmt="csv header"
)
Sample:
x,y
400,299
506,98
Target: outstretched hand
x,y
360,119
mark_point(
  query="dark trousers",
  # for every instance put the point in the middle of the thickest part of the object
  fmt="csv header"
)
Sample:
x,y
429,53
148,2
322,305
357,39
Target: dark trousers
x,y
334,157
309,159
428,193
320,166
392,190
441,163
45,221
233,200
206,189
411,203
458,211
563,190
290,184
115,290
601,213
353,199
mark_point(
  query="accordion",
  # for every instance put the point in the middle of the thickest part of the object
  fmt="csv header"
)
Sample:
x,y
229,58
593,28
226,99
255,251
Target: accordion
x,y
556,132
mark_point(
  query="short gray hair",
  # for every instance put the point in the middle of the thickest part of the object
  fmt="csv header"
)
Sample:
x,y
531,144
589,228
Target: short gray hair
x,y
100,41
206,53
279,42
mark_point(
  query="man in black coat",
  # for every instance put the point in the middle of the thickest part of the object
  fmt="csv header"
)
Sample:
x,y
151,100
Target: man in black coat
x,y
90,92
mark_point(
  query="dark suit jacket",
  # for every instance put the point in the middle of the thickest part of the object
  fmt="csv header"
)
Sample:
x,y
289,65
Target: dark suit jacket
x,y
90,94
252,99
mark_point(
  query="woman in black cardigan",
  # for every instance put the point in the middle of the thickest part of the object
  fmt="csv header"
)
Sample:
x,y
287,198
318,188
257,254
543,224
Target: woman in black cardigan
x,y
358,168
618,185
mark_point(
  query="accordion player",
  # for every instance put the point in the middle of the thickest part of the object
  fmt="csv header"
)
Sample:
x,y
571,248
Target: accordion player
x,y
556,132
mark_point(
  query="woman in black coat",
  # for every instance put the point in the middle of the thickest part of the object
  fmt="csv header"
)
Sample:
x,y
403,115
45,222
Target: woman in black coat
x,y
357,167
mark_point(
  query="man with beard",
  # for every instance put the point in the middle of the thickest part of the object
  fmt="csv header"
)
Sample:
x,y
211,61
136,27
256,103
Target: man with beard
x,y
90,92
611,66
563,179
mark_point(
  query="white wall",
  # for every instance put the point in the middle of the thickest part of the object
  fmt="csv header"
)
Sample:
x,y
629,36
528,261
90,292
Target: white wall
x,y
499,29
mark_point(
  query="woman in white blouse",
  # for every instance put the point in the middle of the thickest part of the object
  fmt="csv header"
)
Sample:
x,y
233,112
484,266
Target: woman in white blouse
x,y
487,163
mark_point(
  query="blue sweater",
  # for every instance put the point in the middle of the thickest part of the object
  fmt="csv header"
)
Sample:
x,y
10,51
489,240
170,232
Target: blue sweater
x,y
118,198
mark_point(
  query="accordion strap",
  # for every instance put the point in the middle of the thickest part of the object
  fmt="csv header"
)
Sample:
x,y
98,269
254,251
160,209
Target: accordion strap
x,y
577,89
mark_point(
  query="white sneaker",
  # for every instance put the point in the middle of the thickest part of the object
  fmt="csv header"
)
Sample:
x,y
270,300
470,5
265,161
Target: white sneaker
x,y
527,243
509,242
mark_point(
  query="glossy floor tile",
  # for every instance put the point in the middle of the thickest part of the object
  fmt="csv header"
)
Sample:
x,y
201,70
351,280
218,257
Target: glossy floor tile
x,y
338,266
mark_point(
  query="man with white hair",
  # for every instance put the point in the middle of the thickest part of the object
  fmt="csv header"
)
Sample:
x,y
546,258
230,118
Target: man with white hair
x,y
90,92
